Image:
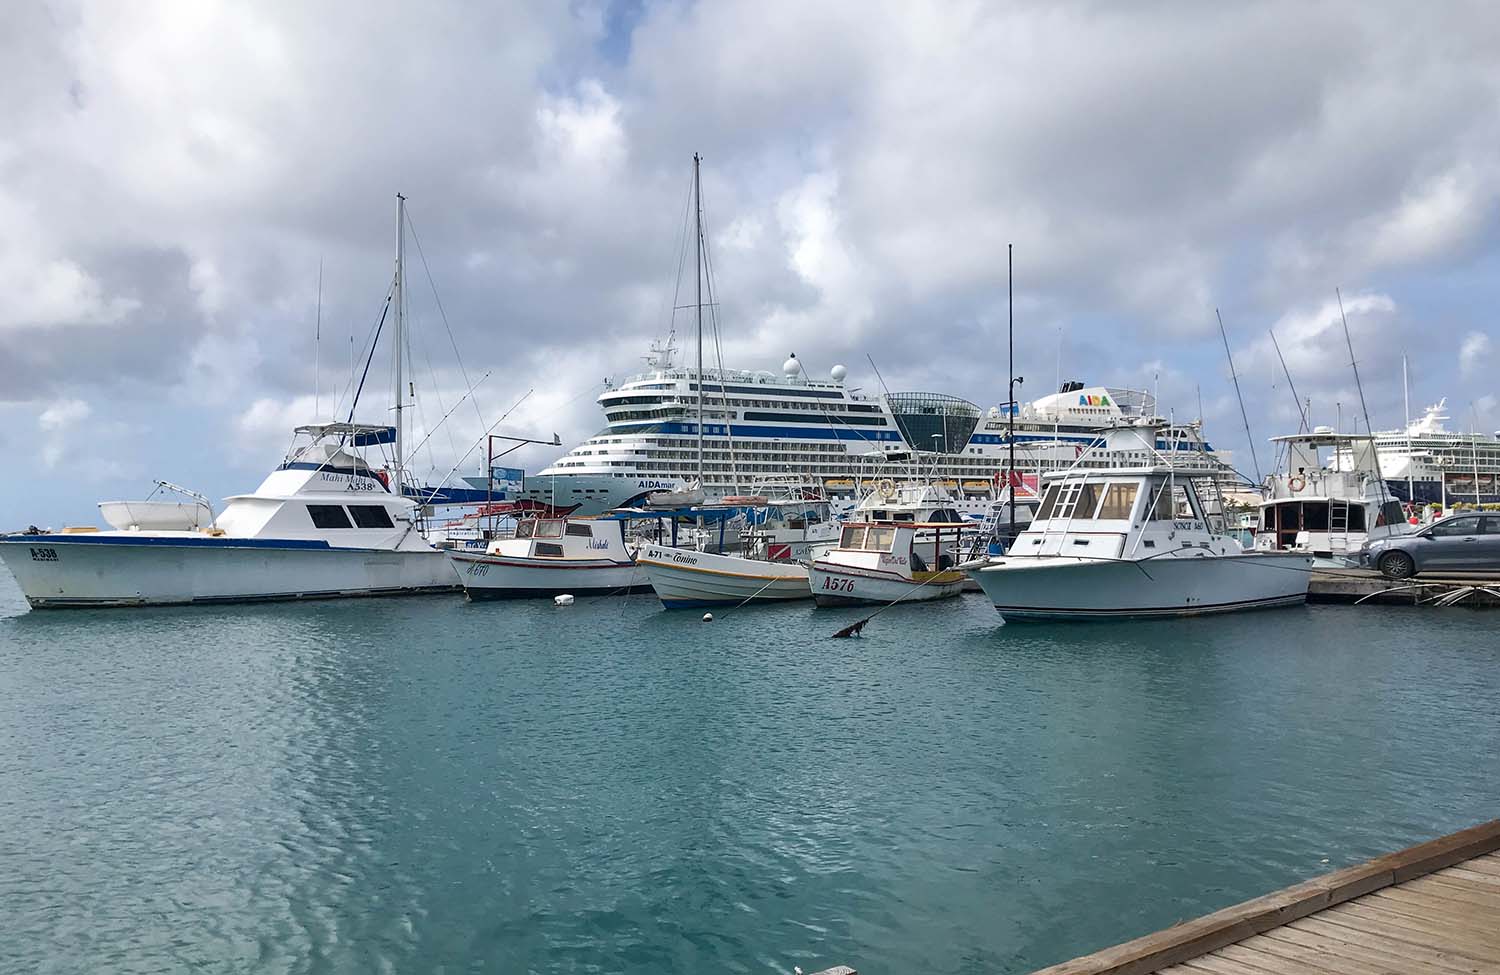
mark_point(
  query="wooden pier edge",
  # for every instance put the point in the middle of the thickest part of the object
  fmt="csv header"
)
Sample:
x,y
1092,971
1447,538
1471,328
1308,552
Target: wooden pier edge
x,y
1211,932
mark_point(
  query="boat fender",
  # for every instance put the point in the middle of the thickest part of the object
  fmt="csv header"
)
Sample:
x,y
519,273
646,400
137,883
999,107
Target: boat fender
x,y
708,617
565,599
1297,483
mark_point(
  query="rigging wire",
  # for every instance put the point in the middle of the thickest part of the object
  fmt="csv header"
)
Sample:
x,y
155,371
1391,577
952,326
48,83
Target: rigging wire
x,y
713,320
442,313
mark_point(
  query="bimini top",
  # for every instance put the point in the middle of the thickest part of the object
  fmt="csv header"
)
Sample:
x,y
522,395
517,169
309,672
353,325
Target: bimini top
x,y
358,434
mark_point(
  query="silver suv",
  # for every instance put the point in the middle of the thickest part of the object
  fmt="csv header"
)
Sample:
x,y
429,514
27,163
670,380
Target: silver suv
x,y
1461,542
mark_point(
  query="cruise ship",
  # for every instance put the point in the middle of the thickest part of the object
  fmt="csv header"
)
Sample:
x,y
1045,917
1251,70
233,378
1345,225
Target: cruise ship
x,y
760,425
1426,462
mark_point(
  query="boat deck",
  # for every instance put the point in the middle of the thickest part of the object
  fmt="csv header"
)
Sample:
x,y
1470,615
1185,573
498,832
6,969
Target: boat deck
x,y
1432,908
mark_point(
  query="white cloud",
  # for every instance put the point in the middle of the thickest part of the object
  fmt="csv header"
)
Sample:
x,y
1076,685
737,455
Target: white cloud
x,y
63,414
1474,355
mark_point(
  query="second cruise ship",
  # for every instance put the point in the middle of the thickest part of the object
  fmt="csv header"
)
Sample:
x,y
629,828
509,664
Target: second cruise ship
x,y
759,426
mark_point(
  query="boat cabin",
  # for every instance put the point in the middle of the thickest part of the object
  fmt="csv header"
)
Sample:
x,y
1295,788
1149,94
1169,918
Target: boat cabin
x,y
1119,514
565,539
906,549
1327,509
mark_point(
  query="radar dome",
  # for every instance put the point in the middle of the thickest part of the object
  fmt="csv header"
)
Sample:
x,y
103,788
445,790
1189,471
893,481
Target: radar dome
x,y
791,366
838,373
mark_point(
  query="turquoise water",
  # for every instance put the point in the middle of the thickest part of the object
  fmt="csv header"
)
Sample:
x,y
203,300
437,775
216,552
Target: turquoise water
x,y
425,785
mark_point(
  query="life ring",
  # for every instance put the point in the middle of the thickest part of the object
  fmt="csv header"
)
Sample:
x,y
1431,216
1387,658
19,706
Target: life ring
x,y
1297,483
886,487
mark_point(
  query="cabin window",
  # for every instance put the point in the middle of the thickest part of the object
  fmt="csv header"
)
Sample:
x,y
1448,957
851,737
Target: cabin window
x,y
328,516
523,529
1087,501
1119,499
1356,518
904,516
579,531
371,516
879,539
854,537
549,549
548,529
1049,501
1174,501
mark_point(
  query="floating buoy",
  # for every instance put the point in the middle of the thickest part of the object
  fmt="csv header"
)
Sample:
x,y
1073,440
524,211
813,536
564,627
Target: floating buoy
x,y
708,617
564,600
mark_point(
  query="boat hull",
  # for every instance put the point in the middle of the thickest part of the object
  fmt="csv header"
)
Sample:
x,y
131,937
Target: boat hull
x,y
502,577
686,579
837,585
62,571
1077,589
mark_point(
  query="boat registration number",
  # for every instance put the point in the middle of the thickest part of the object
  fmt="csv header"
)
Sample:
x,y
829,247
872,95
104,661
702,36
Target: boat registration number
x,y
44,555
838,585
477,569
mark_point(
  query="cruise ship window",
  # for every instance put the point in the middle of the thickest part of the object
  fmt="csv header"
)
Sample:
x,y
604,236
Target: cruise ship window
x,y
328,516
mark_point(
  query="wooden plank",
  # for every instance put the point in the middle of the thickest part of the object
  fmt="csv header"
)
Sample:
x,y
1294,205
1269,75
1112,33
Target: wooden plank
x,y
1484,864
1372,950
1269,962
1408,928
1214,965
1466,899
1469,876
1205,934
1434,906
1319,959
1378,931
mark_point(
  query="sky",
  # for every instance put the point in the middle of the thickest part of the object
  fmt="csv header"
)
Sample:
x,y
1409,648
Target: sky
x,y
176,178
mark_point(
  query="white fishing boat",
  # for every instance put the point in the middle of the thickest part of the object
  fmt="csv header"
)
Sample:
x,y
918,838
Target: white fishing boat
x,y
902,543
553,557
1133,542
322,524
771,565
1329,498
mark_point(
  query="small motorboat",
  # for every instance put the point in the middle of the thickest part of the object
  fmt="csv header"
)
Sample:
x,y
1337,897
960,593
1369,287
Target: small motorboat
x,y
770,567
579,556
901,544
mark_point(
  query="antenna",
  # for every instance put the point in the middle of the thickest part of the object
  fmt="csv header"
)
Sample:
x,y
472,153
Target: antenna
x,y
1237,395
318,343
1290,385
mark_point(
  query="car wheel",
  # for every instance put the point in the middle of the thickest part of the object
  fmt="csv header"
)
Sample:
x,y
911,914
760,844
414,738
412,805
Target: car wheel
x,y
1397,565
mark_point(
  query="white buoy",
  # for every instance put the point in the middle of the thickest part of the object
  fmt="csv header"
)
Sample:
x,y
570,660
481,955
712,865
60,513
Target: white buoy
x,y
708,617
566,599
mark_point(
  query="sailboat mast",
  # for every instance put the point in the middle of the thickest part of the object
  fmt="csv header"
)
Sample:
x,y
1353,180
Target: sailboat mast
x,y
1406,402
698,254
398,339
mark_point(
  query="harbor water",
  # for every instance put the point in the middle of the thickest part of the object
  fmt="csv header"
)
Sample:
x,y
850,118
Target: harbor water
x,y
428,785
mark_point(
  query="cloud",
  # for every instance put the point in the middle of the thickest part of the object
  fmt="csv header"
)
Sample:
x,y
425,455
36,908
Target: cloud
x,y
1474,355
63,414
865,167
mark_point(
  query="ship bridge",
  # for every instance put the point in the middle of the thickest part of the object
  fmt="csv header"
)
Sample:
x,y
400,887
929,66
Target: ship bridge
x,y
934,421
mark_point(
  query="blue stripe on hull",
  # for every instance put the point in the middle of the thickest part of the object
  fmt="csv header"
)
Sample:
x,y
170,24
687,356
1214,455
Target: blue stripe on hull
x,y
156,541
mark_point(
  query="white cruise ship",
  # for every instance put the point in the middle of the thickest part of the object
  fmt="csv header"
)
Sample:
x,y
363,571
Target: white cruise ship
x,y
1428,462
758,425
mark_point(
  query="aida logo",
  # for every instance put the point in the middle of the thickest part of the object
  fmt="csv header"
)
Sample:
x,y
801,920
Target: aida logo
x,y
1093,400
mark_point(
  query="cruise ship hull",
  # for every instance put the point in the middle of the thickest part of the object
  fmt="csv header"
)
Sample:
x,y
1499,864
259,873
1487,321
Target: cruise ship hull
x,y
686,579
1053,588
99,570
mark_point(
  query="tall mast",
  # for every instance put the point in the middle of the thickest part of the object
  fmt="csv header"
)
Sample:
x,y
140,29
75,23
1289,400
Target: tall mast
x,y
1010,339
698,254
1411,498
397,338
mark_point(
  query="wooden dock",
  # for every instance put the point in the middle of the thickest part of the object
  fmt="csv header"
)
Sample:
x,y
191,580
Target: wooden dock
x,y
1366,586
1433,908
